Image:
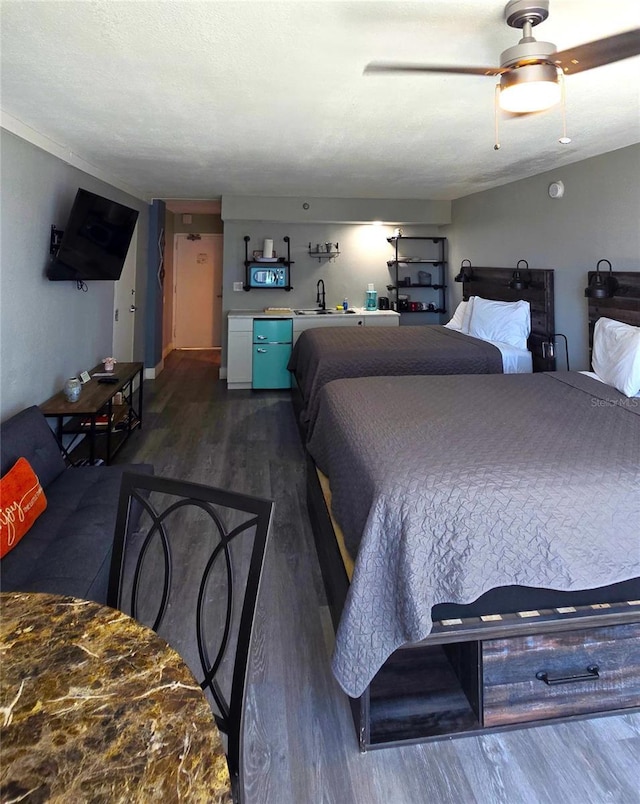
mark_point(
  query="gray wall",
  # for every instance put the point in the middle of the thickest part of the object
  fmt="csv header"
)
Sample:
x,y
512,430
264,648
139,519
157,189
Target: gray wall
x,y
598,217
364,252
364,249
49,330
335,210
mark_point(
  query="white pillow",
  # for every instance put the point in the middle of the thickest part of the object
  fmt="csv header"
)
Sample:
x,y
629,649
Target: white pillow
x,y
458,317
616,355
507,322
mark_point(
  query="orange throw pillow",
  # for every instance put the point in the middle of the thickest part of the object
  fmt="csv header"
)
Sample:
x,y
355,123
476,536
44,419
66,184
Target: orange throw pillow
x,y
22,501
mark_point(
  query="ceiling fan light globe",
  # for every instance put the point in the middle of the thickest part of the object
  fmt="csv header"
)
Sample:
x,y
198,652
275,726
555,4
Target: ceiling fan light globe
x,y
530,88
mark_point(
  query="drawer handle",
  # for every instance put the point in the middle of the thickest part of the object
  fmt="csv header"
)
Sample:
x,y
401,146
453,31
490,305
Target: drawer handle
x,y
593,671
261,351
262,337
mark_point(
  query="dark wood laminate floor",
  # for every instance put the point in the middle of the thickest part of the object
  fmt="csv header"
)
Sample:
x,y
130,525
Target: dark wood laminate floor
x,y
301,746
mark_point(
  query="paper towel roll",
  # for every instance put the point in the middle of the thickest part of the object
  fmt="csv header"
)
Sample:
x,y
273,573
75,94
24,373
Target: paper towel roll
x,y
267,248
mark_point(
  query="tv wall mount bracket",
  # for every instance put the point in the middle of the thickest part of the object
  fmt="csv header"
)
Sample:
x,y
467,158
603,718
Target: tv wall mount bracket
x,y
56,239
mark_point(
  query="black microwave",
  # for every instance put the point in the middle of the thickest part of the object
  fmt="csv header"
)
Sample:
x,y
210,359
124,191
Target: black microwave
x,y
268,276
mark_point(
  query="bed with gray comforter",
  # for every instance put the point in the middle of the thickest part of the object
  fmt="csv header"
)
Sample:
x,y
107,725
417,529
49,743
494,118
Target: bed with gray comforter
x,y
446,487
332,353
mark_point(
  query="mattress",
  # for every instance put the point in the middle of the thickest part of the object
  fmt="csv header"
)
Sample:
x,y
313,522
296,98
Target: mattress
x,y
330,353
448,487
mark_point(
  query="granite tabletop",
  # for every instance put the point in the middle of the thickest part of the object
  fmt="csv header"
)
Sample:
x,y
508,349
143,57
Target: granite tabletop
x,y
95,707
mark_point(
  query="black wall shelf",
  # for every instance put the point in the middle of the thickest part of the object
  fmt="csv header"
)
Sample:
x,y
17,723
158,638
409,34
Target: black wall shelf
x,y
324,251
405,271
261,274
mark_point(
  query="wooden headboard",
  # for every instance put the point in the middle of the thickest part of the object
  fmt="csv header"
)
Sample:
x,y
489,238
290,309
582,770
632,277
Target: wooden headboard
x,y
623,306
493,283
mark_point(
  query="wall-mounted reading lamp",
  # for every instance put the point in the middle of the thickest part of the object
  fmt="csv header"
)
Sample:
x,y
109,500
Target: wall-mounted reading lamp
x,y
518,282
466,272
601,287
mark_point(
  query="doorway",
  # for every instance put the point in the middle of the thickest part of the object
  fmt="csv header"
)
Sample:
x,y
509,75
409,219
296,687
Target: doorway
x,y
197,289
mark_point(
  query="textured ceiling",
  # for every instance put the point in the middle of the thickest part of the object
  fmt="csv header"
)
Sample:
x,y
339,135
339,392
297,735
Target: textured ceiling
x,y
200,99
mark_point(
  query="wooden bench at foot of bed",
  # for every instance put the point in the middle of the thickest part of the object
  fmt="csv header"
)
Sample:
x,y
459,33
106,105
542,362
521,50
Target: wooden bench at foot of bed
x,y
486,674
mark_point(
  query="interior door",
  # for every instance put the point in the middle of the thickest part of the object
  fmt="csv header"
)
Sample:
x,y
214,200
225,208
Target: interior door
x,y
197,291
124,306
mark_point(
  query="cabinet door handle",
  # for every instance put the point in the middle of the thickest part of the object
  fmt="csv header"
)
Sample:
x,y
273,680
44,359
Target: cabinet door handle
x,y
359,323
592,672
261,337
261,351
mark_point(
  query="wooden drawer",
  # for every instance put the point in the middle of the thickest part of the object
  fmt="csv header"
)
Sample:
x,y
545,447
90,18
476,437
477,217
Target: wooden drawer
x,y
514,690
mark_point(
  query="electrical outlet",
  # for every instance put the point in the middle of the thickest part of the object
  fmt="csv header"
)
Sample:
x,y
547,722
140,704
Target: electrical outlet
x,y
238,286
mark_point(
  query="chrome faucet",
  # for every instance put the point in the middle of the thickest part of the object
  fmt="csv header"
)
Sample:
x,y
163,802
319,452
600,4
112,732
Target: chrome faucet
x,y
320,300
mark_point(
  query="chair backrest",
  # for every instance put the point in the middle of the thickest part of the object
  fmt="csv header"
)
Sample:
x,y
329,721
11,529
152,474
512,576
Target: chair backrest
x,y
187,561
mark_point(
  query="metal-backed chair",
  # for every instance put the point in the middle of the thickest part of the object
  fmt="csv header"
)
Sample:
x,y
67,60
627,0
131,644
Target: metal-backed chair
x,y
190,569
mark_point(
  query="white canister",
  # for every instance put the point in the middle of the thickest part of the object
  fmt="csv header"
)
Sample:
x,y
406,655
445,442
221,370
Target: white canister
x,y
72,388
267,249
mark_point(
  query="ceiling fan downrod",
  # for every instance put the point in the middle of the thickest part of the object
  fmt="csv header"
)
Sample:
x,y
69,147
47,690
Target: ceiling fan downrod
x,y
524,14
519,13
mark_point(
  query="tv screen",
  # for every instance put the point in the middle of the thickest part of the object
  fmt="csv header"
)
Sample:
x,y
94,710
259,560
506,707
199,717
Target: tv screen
x,y
95,240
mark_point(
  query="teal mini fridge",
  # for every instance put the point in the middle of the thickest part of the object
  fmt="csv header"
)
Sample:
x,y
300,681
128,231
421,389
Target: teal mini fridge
x,y
272,341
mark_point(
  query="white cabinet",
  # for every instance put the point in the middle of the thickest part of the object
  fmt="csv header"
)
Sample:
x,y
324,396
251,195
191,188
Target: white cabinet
x,y
359,319
302,322
239,349
382,319
240,341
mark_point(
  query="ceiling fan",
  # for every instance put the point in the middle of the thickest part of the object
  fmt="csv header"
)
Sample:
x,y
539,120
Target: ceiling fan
x,y
531,72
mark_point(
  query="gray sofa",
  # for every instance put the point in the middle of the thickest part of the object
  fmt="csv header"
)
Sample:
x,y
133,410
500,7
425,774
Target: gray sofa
x,y
68,549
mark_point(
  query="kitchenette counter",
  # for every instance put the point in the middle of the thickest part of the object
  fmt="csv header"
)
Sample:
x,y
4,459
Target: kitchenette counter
x,y
282,312
240,343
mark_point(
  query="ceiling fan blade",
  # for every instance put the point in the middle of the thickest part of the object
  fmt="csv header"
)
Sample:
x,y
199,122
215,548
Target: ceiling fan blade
x,y
392,67
602,51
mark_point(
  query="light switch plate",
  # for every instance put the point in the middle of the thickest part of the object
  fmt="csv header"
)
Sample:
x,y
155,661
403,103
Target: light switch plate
x,y
238,286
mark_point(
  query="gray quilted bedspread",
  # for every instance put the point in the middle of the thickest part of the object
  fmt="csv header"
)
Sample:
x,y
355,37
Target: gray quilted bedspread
x,y
446,487
333,353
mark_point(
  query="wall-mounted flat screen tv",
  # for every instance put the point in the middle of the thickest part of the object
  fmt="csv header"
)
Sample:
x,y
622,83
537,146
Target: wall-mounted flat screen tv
x,y
95,240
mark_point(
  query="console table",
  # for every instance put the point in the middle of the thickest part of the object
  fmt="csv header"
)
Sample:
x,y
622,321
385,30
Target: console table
x,y
96,414
97,707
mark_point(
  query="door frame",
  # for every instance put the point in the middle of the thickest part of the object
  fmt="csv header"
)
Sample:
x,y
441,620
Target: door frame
x,y
213,236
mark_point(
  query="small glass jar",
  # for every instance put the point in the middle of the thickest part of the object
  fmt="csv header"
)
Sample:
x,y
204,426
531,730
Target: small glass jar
x,y
72,388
